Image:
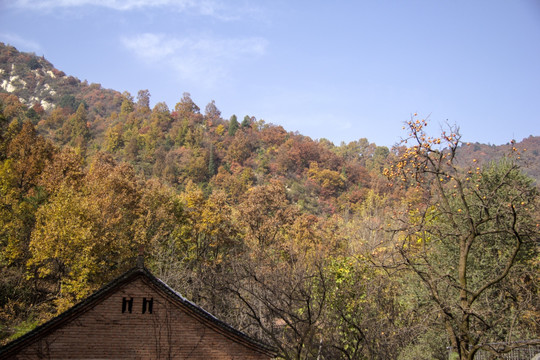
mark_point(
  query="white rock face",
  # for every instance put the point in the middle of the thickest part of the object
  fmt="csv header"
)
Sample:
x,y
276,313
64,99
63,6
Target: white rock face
x,y
51,74
8,86
47,90
46,105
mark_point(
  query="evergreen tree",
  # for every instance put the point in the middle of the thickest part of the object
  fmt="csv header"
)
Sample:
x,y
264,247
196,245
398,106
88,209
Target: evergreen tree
x,y
211,162
246,122
233,125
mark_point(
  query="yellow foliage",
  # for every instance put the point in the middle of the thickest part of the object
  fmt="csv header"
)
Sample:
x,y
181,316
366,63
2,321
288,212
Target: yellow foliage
x,y
220,129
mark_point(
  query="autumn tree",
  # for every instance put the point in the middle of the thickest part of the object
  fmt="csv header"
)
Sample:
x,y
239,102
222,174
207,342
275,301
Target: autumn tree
x,y
366,316
127,104
241,148
211,161
298,152
266,213
377,160
211,112
373,313
209,228
78,128
84,236
282,295
160,116
23,159
64,168
29,153
62,245
359,150
273,135
186,106
468,237
330,181
114,137
202,248
159,230
279,280
11,107
143,101
53,121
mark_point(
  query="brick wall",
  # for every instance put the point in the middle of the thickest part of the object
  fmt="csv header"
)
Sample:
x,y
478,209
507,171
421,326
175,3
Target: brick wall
x,y
165,331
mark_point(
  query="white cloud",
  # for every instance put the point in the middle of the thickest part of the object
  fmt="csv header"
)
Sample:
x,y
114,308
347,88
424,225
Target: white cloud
x,y
111,4
19,42
204,60
152,47
213,8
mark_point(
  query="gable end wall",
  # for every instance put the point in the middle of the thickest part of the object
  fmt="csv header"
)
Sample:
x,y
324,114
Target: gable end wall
x,y
169,332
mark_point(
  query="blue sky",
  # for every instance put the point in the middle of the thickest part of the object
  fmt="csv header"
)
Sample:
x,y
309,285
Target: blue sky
x,y
340,70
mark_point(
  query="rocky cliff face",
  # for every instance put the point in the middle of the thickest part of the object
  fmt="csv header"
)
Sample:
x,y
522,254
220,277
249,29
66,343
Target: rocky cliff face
x,y
37,90
34,80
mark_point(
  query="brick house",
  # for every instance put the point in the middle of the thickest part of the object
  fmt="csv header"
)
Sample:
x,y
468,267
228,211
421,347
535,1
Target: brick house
x,y
136,316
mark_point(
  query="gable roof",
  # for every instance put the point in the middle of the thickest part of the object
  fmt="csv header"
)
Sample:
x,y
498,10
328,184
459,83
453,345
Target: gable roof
x,y
135,273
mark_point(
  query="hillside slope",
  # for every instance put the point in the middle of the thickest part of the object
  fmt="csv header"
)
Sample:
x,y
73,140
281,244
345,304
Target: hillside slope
x,y
305,244
527,151
38,84
35,81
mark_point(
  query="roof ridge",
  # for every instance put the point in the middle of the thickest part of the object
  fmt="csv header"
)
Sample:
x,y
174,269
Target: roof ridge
x,y
129,275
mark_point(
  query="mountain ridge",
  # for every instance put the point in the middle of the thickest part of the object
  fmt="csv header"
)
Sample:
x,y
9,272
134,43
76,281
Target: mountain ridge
x,y
258,224
35,81
38,84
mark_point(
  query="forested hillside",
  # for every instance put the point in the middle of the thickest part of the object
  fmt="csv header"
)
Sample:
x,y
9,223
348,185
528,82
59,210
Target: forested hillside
x,y
354,251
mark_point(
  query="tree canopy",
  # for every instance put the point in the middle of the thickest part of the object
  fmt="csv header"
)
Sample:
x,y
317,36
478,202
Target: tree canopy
x,y
354,251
